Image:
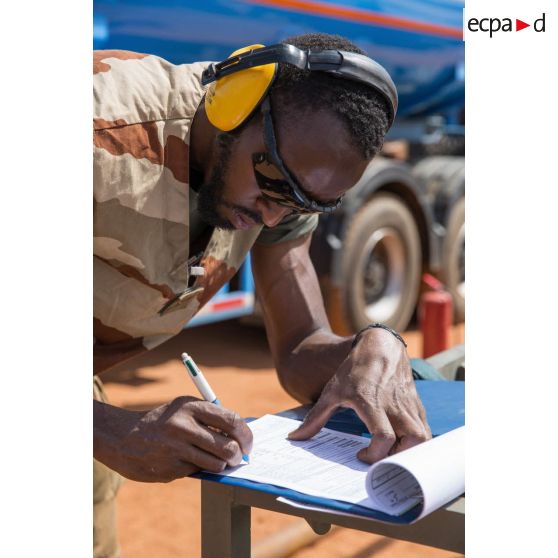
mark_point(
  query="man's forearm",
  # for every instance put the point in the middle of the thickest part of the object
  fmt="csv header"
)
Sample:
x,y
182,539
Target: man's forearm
x,y
310,365
110,425
305,351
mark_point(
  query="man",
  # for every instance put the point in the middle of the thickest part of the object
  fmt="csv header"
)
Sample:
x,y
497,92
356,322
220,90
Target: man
x,y
174,192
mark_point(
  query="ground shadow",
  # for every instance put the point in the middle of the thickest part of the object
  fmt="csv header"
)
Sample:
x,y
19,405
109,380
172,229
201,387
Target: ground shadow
x,y
222,344
373,548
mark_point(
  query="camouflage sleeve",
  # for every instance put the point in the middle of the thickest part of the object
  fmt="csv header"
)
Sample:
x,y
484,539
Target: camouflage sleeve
x,y
291,227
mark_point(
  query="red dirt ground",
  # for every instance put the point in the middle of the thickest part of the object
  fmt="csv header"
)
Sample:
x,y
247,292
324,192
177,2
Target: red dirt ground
x,y
163,520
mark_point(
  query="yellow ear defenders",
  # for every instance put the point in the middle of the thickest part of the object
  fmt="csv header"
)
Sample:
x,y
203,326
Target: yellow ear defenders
x,y
232,99
241,82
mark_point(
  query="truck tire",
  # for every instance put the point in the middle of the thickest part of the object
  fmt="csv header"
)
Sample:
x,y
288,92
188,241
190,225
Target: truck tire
x,y
453,258
381,264
442,177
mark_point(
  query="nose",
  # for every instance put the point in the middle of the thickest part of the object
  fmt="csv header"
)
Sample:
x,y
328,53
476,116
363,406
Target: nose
x,y
271,212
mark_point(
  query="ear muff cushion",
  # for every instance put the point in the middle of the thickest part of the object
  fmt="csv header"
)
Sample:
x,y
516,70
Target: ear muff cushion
x,y
230,100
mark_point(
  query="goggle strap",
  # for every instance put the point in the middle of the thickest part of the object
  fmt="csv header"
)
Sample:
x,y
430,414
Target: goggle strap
x,y
269,136
271,145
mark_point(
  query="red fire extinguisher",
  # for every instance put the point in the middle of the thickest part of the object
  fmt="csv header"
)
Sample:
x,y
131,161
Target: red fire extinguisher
x,y
435,317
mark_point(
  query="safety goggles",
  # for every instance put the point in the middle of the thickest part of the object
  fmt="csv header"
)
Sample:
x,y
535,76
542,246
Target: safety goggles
x,y
274,178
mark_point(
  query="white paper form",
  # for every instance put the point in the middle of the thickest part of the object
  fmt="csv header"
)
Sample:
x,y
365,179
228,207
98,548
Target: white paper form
x,y
431,473
325,466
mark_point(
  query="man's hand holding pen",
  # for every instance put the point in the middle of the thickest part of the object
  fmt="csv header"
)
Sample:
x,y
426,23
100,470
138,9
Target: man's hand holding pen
x,y
174,440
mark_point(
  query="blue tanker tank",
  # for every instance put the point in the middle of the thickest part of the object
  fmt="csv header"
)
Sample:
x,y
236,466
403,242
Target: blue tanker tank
x,y
419,42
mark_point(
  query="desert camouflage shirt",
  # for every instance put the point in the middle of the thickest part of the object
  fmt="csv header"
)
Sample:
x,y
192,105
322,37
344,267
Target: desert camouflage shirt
x,y
143,110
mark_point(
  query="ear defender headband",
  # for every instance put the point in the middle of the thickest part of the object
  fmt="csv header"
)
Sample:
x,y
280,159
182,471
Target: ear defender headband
x,y
241,82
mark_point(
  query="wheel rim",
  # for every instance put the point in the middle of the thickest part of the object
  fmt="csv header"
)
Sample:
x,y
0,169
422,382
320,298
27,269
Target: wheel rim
x,y
382,269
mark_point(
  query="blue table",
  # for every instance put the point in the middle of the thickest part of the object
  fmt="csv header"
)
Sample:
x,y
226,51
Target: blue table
x,y
226,504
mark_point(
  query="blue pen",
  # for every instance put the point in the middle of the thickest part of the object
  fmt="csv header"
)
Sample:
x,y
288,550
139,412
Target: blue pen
x,y
203,386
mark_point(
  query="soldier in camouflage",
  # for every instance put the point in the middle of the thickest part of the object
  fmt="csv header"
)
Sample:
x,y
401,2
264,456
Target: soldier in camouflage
x,y
171,190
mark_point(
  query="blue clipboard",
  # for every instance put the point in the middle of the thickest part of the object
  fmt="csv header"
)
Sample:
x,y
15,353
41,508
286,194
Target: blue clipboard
x,y
445,409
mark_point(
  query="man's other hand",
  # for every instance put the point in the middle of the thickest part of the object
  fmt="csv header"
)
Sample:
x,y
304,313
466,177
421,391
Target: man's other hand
x,y
376,381
171,441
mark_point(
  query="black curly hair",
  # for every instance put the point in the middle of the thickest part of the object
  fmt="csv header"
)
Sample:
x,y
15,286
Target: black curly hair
x,y
364,112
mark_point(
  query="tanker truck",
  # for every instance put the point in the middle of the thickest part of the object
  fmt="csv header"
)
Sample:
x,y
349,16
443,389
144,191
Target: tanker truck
x,y
406,215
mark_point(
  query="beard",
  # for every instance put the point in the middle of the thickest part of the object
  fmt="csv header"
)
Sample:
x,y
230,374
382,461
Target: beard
x,y
211,194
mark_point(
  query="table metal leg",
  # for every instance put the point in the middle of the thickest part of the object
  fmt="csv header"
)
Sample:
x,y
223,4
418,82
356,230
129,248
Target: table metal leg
x,y
225,525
